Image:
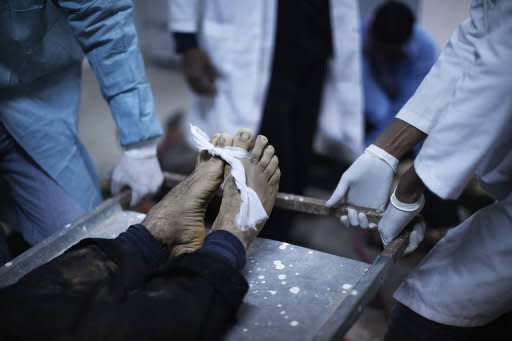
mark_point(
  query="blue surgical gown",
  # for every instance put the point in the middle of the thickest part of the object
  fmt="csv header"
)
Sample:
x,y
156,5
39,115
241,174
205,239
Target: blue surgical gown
x,y
42,46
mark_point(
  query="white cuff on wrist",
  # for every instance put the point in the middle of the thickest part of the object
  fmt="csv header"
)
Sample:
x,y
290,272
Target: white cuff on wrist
x,y
407,207
383,155
143,150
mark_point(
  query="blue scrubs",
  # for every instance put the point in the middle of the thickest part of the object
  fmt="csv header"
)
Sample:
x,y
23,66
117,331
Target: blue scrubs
x,y
42,46
404,76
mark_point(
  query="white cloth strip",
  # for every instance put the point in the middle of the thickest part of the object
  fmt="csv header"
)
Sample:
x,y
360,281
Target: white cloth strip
x,y
251,209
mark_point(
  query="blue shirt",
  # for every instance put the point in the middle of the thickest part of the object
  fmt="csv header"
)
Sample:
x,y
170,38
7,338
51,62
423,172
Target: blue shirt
x,y
420,54
43,43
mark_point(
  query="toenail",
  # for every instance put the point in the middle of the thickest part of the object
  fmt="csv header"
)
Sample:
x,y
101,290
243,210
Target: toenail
x,y
244,136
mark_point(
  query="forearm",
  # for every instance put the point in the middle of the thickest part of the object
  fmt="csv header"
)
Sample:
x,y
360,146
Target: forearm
x,y
106,33
399,138
410,187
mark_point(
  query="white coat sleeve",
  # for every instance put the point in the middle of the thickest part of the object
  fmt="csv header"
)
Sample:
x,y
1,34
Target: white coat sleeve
x,y
184,15
437,89
478,117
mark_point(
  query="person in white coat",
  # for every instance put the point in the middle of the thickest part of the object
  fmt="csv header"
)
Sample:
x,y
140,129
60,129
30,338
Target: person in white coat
x,y
463,111
282,68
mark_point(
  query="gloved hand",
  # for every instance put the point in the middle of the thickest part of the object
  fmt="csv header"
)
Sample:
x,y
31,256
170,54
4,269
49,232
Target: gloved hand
x,y
138,169
397,215
366,183
199,72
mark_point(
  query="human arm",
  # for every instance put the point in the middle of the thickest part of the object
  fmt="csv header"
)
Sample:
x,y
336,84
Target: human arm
x,y
419,115
106,34
184,23
436,89
399,138
479,113
125,289
473,131
367,182
197,66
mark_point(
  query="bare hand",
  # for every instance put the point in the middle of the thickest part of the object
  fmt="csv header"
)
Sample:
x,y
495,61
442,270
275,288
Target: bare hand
x,y
199,72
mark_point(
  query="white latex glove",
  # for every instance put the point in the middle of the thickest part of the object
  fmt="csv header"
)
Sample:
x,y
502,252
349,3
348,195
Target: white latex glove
x,y
397,215
415,237
138,169
366,183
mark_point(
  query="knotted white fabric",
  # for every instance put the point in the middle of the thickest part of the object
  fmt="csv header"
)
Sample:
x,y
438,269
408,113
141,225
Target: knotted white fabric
x,y
251,210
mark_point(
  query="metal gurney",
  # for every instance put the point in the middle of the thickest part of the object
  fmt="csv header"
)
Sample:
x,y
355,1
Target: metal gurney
x,y
295,293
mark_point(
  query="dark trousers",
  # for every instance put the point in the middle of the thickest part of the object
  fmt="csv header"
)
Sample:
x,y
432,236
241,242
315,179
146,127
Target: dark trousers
x,y
292,104
4,250
100,289
406,325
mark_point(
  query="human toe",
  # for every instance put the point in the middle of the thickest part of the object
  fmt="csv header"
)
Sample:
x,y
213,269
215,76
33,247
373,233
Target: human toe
x,y
268,154
275,178
244,139
222,140
259,145
272,166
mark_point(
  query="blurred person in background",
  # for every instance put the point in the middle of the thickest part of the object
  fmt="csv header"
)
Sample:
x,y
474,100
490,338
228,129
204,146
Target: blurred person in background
x,y
288,69
397,54
48,176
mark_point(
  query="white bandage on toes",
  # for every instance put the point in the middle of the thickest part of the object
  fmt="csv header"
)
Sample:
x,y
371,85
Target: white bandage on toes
x,y
251,211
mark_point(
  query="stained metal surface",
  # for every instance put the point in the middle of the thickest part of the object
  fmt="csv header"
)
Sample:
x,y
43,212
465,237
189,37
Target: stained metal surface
x,y
293,291
347,313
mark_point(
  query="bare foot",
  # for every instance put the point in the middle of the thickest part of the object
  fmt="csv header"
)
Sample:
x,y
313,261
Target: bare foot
x,y
177,220
262,175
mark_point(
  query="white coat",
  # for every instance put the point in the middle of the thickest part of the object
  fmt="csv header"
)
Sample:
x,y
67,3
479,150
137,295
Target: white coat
x,y
465,107
238,36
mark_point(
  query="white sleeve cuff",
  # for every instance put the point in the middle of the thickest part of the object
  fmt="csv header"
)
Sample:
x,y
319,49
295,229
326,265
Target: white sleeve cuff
x,y
415,119
429,177
142,150
184,26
